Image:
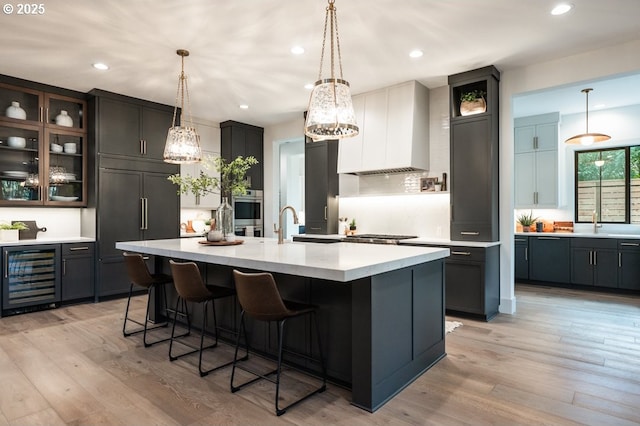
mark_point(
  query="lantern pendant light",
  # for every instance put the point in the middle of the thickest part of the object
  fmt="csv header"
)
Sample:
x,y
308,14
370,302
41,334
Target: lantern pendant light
x,y
330,113
587,138
183,142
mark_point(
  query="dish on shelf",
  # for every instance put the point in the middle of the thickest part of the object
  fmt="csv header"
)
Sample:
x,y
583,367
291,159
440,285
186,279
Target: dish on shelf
x,y
17,142
56,148
61,198
15,174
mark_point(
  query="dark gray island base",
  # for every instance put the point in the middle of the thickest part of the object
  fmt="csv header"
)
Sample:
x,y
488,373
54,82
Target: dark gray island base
x,y
379,332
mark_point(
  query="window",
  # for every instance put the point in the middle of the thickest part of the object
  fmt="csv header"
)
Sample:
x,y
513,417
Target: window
x,y
605,186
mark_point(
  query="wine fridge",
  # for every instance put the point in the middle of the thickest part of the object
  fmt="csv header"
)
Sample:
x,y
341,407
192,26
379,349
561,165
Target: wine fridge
x,y
30,277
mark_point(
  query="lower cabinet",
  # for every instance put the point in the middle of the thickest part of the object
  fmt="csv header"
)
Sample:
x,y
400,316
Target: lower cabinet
x,y
472,280
594,262
521,255
549,259
78,271
629,264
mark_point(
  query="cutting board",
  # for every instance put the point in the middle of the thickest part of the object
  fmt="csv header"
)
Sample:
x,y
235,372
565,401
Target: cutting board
x,y
32,232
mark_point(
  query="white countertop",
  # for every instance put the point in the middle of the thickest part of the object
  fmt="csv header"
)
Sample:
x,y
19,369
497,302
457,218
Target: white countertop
x,y
336,262
48,240
578,235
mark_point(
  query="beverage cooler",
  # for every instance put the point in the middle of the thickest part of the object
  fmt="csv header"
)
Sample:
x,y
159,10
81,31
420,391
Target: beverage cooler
x,y
30,277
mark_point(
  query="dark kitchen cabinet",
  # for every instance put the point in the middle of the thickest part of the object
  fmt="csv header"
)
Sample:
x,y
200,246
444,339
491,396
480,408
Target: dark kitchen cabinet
x,y
550,259
78,265
142,126
474,145
321,187
629,264
521,245
594,262
240,139
130,197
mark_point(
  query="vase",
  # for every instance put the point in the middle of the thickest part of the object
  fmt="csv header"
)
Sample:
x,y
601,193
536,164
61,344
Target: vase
x,y
63,119
224,218
473,107
14,111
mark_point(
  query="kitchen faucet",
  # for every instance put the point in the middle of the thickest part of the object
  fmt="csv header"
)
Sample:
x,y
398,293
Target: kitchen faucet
x,y
279,229
596,225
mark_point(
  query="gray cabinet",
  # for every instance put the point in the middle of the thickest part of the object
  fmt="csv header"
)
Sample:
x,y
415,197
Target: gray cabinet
x,y
521,254
629,264
77,271
536,161
131,196
550,259
474,159
321,187
594,262
240,139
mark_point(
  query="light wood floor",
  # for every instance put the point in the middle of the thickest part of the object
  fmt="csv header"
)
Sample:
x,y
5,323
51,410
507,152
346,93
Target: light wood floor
x,y
566,357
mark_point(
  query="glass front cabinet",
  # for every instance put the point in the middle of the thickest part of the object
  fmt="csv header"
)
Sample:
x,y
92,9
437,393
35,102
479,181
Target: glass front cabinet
x,y
43,142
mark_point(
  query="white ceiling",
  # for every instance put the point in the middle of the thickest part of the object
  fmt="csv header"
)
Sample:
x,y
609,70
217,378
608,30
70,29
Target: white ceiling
x,y
240,49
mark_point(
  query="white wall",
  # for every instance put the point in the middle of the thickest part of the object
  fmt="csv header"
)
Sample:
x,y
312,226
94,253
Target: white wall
x,y
60,222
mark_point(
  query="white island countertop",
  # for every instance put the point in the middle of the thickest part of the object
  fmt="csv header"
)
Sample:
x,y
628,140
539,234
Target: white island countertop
x,y
336,262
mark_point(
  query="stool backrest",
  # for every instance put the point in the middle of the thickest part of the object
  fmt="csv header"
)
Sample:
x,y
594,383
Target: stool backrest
x,y
137,269
188,282
259,296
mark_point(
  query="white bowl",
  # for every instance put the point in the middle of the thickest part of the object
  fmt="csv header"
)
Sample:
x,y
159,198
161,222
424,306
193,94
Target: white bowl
x,y
56,148
70,148
17,142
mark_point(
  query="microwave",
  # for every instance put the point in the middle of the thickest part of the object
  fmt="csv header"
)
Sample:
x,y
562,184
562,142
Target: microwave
x,y
248,210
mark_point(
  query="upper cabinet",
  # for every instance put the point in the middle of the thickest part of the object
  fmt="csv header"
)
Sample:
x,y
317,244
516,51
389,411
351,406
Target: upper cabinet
x,y
474,157
244,139
142,128
394,131
43,141
536,161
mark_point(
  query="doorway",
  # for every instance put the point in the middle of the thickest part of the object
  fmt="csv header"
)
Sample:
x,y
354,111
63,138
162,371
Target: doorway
x,y
291,184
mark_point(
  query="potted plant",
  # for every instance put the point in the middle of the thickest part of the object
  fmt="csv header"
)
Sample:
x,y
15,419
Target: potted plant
x,y
526,220
11,232
231,182
352,226
472,102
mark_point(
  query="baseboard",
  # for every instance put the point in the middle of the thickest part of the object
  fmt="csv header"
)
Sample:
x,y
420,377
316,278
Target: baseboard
x,y
507,306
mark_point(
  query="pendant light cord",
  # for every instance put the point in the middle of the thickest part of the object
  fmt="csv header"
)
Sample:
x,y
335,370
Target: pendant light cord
x,y
331,16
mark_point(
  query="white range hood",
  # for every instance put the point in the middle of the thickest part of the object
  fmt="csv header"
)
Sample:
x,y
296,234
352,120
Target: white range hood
x,y
394,132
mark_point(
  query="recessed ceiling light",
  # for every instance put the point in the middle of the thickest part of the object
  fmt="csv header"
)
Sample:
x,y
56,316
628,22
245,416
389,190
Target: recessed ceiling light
x,y
561,9
101,66
244,106
309,86
416,53
297,50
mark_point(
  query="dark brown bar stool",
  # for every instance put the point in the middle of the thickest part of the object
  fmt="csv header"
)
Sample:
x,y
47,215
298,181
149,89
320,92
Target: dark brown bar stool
x,y
260,299
191,288
139,275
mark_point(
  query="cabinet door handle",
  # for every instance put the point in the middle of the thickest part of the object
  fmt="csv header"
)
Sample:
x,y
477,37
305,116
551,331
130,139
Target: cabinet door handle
x,y
78,248
520,240
144,144
6,264
630,244
535,197
595,258
64,267
526,253
619,260
590,257
142,213
141,147
46,115
469,233
461,253
325,212
146,213
548,238
315,229
535,142
40,114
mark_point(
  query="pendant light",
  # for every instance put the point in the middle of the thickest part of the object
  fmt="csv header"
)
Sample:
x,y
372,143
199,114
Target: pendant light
x,y
330,114
587,138
183,142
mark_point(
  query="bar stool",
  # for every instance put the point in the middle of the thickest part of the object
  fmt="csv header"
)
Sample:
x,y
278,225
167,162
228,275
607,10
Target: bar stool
x,y
260,299
191,288
139,275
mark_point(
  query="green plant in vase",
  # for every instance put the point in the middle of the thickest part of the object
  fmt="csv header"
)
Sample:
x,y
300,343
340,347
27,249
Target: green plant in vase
x,y
526,220
472,102
11,232
232,181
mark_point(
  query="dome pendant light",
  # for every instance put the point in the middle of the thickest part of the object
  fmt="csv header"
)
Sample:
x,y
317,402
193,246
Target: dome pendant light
x,y
587,138
330,114
183,142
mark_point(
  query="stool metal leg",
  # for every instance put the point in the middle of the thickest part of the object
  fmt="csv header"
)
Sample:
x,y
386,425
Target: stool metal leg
x,y
184,312
144,325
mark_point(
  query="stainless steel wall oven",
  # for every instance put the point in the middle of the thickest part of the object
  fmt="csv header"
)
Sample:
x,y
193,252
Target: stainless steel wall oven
x,y
248,211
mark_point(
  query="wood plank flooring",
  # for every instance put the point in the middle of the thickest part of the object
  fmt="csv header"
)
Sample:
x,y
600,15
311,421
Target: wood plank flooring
x,y
566,357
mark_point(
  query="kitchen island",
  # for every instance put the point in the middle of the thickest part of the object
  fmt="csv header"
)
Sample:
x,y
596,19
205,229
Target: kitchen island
x,y
381,308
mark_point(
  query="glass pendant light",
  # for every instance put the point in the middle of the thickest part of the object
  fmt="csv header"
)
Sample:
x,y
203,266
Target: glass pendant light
x,y
183,142
587,138
330,114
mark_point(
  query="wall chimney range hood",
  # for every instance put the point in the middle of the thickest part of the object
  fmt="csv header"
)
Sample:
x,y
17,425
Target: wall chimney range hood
x,y
394,132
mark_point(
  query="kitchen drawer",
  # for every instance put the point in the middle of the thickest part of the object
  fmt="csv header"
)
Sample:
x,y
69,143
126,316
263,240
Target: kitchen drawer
x,y
629,244
471,232
473,254
78,249
594,243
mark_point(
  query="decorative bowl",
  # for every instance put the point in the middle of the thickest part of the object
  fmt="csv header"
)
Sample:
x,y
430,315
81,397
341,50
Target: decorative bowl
x,y
70,148
56,148
16,142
